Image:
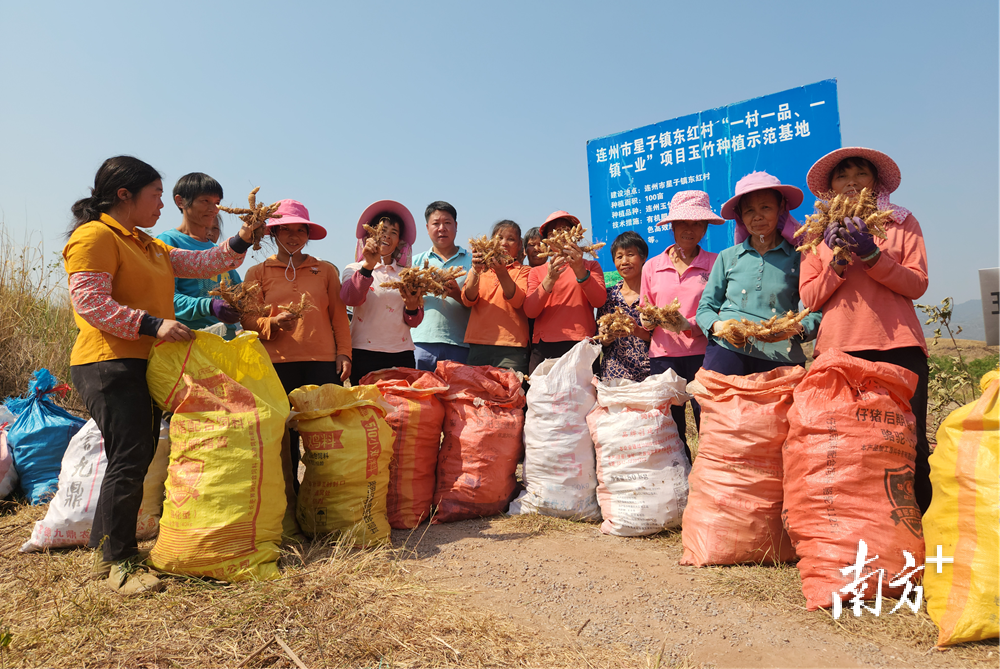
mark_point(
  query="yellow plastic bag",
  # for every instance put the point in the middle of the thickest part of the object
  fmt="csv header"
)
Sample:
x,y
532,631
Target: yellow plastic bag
x,y
963,519
348,445
224,492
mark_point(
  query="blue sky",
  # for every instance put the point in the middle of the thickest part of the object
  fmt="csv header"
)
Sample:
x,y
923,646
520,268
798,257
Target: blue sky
x,y
486,106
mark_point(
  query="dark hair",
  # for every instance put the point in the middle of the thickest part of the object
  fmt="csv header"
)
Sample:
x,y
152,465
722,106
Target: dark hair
x,y
115,173
190,186
854,161
505,224
392,219
440,205
533,233
629,240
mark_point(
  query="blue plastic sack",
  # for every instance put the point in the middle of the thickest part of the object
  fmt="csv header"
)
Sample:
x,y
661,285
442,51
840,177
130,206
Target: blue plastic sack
x,y
39,437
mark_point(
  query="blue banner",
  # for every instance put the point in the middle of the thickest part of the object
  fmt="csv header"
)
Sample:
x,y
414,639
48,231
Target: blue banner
x,y
634,174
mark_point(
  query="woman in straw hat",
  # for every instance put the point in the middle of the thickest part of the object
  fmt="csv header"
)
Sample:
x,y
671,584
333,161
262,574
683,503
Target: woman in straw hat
x,y
681,272
314,347
867,302
756,279
380,329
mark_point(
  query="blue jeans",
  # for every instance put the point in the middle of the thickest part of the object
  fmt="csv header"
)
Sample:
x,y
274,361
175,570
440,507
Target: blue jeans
x,y
427,355
724,361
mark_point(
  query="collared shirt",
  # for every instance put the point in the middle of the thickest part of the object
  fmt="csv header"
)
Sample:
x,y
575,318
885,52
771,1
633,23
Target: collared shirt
x,y
380,322
567,313
323,332
661,283
142,277
625,357
445,320
742,284
495,320
192,303
870,308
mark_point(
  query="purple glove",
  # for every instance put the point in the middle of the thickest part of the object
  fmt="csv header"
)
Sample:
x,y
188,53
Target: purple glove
x,y
862,242
834,236
225,313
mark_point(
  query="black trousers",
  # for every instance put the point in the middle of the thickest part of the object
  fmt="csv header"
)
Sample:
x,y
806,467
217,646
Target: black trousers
x,y
914,359
686,366
295,375
365,362
117,397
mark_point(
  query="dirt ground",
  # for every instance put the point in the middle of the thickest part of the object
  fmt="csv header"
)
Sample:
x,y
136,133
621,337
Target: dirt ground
x,y
570,583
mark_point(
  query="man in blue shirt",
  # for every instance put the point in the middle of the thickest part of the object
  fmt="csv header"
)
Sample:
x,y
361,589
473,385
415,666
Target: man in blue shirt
x,y
197,196
441,335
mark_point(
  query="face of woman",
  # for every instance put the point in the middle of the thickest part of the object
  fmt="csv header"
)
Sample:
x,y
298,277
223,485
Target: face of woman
x,y
292,238
851,180
511,242
144,208
629,262
389,241
688,234
760,211
533,248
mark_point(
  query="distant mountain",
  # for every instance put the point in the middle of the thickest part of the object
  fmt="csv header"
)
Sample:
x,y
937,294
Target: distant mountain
x,y
967,314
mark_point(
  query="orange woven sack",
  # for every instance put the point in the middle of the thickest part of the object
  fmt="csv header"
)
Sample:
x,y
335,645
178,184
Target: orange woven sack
x,y
733,513
849,478
483,430
416,422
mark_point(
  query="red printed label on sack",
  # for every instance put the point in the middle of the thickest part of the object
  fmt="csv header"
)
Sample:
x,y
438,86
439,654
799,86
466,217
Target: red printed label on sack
x,y
899,489
370,426
185,473
323,441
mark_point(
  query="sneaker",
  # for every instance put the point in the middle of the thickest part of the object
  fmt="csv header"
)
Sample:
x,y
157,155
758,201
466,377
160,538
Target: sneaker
x,y
102,568
130,578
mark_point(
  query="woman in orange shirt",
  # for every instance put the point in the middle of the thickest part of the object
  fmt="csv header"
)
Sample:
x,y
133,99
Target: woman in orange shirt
x,y
497,333
316,348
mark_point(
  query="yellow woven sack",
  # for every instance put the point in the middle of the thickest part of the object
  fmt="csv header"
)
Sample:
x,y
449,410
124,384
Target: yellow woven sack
x,y
347,447
224,492
964,520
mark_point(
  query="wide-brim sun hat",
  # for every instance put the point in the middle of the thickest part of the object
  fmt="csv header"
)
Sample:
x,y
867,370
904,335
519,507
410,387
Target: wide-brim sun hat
x,y
555,216
407,235
819,175
691,205
756,181
294,212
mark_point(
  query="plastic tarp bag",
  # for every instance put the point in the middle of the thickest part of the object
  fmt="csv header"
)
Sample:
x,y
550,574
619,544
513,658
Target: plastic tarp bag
x,y
964,520
849,463
224,490
347,447
8,473
40,435
483,426
560,472
641,465
153,488
416,421
734,509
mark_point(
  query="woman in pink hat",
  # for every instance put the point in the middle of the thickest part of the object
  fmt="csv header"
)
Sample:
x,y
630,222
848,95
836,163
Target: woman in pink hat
x,y
380,329
681,272
868,303
756,279
316,348
562,295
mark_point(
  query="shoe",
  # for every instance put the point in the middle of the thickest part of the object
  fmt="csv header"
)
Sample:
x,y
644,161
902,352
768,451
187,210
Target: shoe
x,y
102,568
128,578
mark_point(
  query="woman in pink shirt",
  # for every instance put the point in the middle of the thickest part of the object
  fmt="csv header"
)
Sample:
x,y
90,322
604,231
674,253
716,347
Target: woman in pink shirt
x,y
562,295
868,303
681,272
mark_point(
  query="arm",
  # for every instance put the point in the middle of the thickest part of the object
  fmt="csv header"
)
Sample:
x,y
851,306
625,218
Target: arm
x,y
354,290
470,289
817,280
810,326
516,300
413,318
205,264
593,287
712,297
536,297
190,307
908,276
90,294
338,317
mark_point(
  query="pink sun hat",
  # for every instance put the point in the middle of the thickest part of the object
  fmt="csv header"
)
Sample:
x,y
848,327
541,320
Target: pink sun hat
x,y
555,216
294,212
407,235
760,181
691,205
819,175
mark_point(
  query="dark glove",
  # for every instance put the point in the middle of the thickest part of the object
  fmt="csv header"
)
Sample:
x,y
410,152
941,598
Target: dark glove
x,y
225,313
835,236
862,242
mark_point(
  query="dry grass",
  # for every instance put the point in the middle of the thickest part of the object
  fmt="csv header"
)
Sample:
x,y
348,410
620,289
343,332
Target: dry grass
x,y
36,320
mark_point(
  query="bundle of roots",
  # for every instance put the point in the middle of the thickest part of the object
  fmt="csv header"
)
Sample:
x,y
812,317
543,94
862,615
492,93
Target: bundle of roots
x,y
256,213
298,309
776,328
668,317
492,250
558,242
832,212
246,298
424,280
613,326
377,232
